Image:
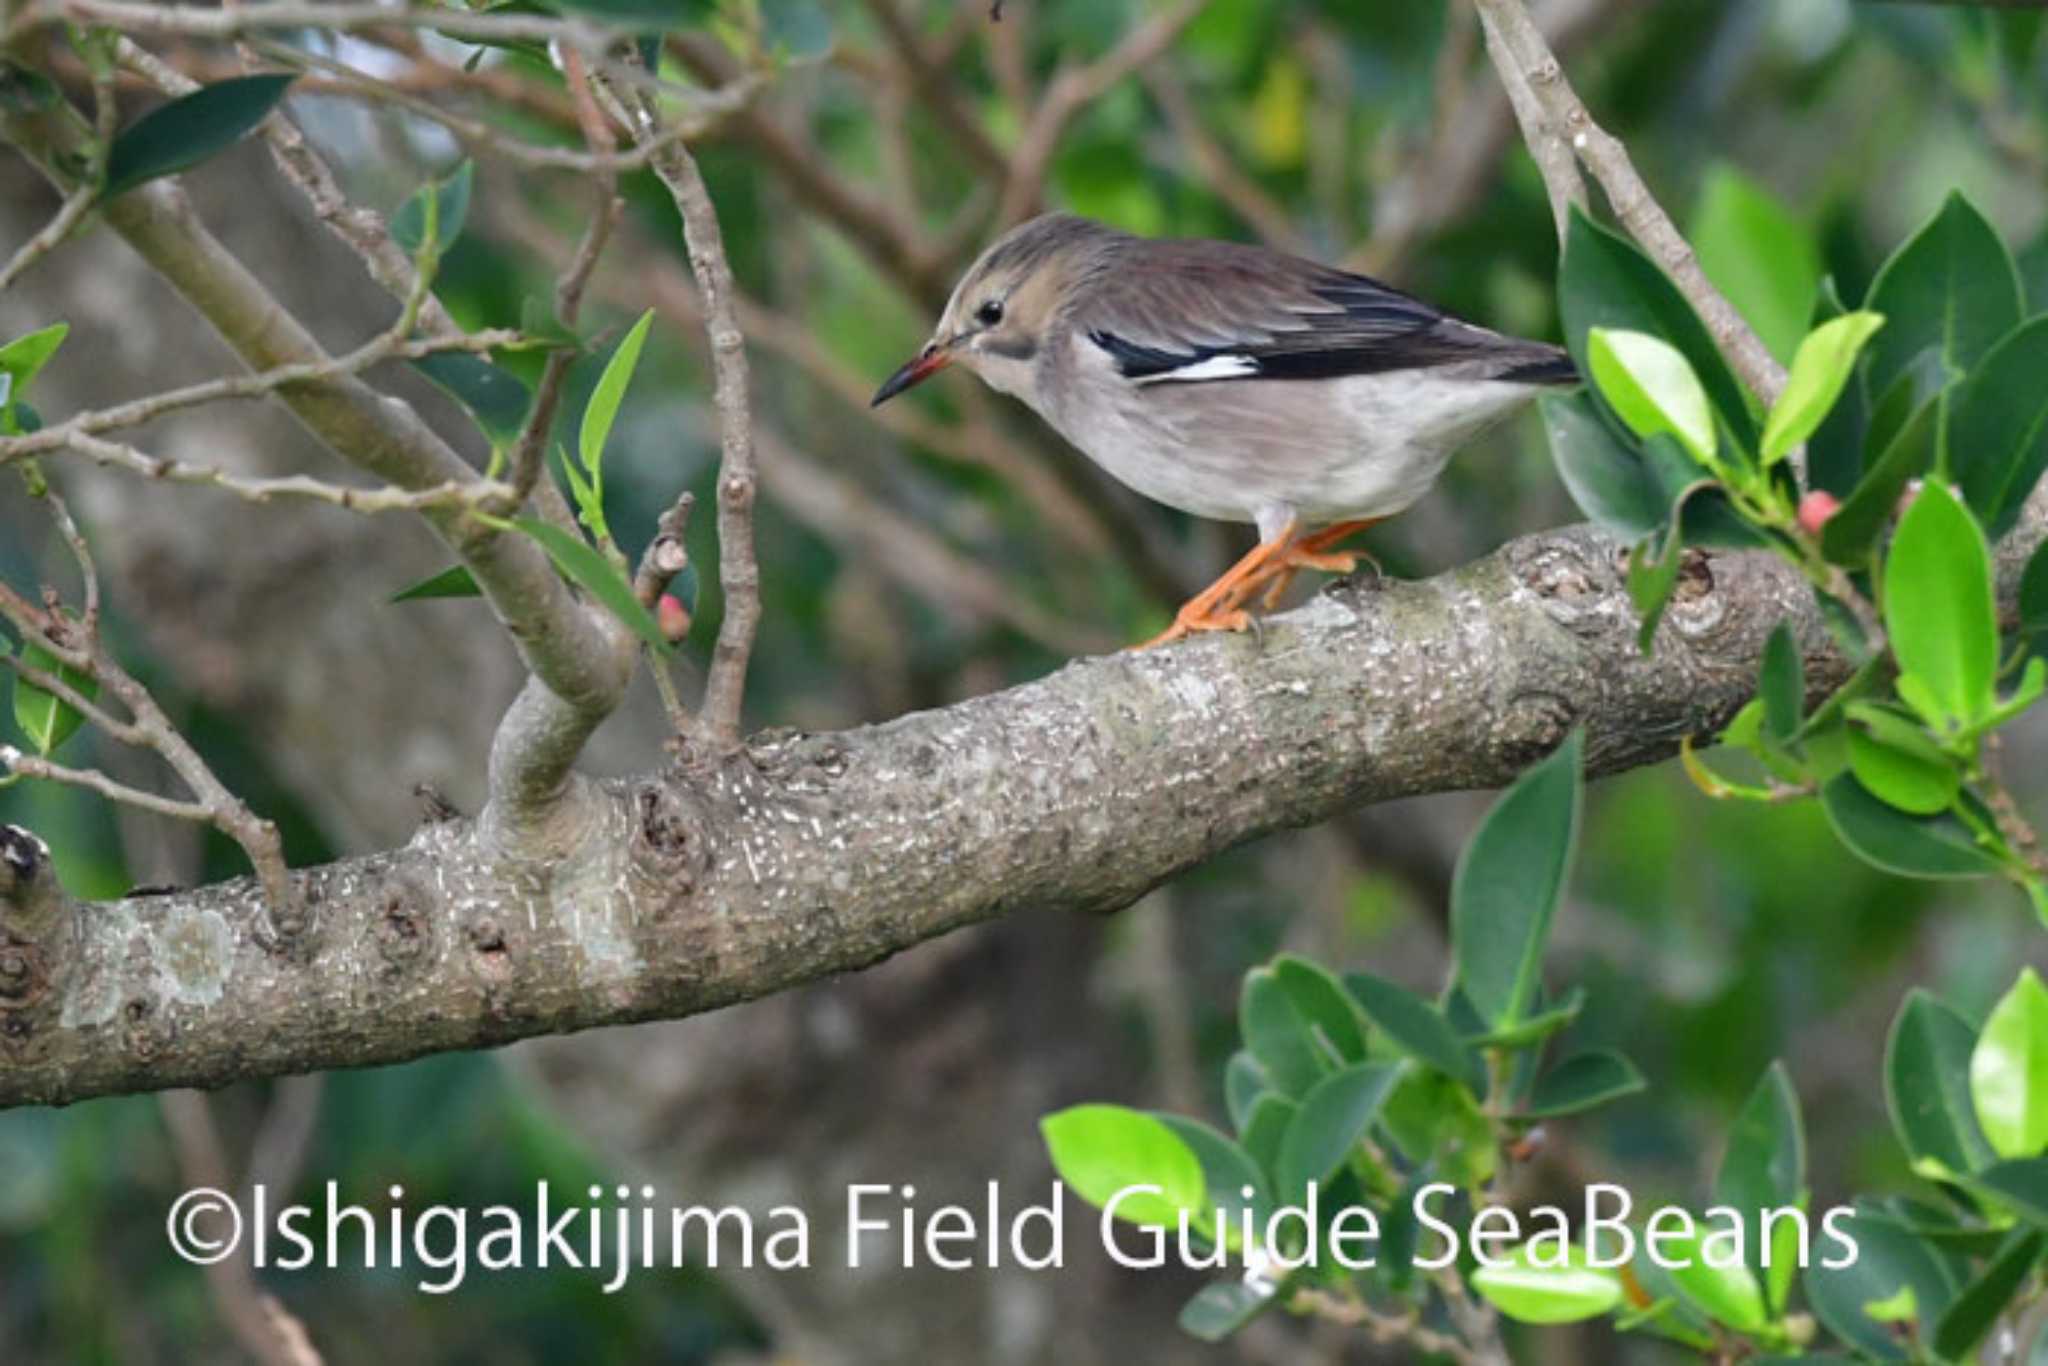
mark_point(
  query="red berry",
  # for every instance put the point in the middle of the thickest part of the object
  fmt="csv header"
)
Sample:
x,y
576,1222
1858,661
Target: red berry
x,y
1815,509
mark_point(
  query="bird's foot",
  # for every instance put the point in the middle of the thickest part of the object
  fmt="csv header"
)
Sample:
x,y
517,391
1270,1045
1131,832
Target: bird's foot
x,y
1188,622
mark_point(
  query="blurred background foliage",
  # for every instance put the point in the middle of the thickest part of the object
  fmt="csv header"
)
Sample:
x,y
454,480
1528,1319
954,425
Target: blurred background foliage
x,y
942,548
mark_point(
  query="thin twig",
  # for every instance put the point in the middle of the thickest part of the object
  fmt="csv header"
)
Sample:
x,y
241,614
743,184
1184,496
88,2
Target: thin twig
x,y
55,231
739,575
1521,53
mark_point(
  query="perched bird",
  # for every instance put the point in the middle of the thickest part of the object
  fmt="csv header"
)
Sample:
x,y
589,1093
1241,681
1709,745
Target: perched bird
x,y
1233,382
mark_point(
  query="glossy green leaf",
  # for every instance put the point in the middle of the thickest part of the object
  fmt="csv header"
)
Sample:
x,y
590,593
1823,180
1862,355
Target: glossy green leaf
x,y
23,357
453,582
1782,684
1329,1012
1334,1116
2020,1183
1508,882
1970,1317
603,407
1913,846
1533,1289
1606,281
186,131
46,720
1888,1259
451,211
1725,1294
1951,289
1927,1088
2033,597
1764,1166
1581,1082
2009,1071
496,398
1998,428
1938,606
1908,773
1103,1150
594,574
1610,483
1652,388
1820,371
1761,257
1848,537
1276,1035
1415,1027
1221,1309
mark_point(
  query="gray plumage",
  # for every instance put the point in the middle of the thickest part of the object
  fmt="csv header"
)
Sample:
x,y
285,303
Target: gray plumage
x,y
1231,381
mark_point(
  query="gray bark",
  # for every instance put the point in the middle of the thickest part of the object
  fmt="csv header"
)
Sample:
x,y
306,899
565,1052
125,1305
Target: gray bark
x,y
707,883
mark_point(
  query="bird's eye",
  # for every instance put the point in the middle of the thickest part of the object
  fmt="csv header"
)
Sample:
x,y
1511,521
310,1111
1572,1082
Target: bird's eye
x,y
990,313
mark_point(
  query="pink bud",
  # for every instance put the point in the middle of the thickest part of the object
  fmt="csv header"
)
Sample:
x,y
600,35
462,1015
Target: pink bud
x,y
672,617
1815,509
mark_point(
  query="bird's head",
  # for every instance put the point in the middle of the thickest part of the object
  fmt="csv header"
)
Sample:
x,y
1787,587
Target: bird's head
x,y
1006,304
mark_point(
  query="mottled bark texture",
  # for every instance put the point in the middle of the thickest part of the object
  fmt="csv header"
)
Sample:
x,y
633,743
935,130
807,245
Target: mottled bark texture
x,y
705,884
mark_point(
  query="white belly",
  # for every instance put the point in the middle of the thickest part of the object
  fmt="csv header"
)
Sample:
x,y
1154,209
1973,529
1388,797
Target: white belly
x,y
1324,450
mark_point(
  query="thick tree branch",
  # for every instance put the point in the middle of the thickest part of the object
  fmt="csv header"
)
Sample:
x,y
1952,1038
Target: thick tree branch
x,y
745,874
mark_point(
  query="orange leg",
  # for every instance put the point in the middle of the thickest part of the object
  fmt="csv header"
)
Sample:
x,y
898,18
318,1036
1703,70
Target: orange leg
x,y
1313,552
1220,606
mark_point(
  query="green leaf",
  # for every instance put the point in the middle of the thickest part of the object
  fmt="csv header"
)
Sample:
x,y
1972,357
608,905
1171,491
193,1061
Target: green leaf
x,y
176,136
1977,1308
1415,1027
1530,1291
1888,1259
1244,1081
494,397
799,28
1939,609
1757,254
1324,1006
1926,1086
1764,1167
1821,370
591,572
2021,1183
1508,882
1782,684
1913,846
1651,578
453,582
1220,1309
1581,1082
25,91
1102,1150
1726,1294
1899,765
1848,537
409,224
1606,281
1276,1035
45,720
21,358
2033,600
1998,428
1951,288
1227,1170
1333,1117
1610,483
1652,388
1265,1129
2009,1071
603,407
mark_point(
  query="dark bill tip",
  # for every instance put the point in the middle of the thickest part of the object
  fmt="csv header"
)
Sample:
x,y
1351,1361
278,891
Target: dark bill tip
x,y
927,363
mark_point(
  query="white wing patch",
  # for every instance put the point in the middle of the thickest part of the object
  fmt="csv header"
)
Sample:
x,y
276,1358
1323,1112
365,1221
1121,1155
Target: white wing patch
x,y
1209,367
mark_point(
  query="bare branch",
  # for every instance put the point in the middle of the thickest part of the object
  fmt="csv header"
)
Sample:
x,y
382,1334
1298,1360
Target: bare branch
x,y
731,877
69,215
1524,59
